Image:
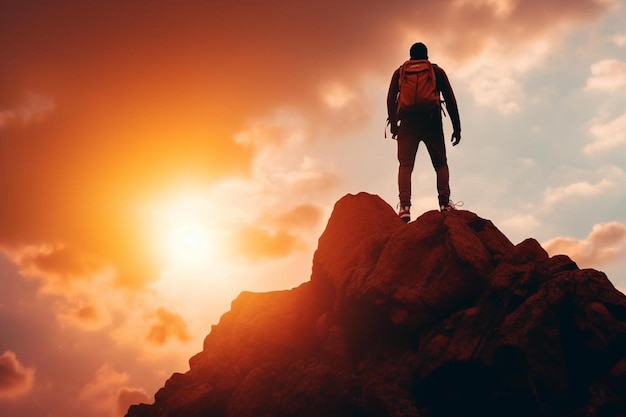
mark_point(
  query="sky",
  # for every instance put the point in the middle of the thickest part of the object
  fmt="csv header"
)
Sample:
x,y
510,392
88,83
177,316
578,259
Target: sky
x,y
158,157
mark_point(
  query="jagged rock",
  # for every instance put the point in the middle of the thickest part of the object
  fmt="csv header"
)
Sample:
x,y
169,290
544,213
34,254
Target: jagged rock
x,y
440,317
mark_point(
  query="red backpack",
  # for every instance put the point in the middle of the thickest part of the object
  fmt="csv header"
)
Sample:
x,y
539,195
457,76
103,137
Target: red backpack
x,y
418,88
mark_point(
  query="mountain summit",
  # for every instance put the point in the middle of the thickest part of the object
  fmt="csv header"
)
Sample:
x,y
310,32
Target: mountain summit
x,y
440,317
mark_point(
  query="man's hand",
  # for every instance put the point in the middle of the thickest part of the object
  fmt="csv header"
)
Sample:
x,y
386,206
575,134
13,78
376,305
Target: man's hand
x,y
456,138
394,128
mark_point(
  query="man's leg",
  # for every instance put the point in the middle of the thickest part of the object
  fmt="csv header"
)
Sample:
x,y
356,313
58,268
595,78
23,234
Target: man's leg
x,y
407,149
437,151
443,184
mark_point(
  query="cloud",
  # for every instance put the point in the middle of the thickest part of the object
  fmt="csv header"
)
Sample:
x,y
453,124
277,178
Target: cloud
x,y
308,177
168,326
286,168
607,135
605,243
32,109
283,126
77,284
54,261
108,396
521,28
105,378
128,396
258,243
619,39
303,216
15,379
337,96
281,164
576,191
83,311
496,87
494,44
607,75
520,224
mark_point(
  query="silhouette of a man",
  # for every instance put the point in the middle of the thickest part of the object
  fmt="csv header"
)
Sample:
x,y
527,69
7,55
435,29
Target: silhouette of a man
x,y
423,126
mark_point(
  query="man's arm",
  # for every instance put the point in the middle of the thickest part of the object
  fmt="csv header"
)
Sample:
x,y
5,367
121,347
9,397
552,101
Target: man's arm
x,y
443,85
392,97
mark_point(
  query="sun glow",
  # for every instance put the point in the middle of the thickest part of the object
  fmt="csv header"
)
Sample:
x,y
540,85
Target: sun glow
x,y
184,231
187,232
188,243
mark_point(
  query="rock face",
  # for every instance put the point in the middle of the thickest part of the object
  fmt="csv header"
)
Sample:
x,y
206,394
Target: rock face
x,y
440,317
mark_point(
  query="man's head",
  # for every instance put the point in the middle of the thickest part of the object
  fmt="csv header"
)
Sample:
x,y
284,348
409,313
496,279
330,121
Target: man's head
x,y
419,51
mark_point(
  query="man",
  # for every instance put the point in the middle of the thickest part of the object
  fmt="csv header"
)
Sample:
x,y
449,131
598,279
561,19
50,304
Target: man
x,y
426,126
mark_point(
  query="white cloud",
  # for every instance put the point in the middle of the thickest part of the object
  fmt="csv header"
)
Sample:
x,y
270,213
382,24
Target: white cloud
x,y
619,39
493,84
576,191
500,91
605,243
519,224
527,163
494,77
607,75
522,222
607,135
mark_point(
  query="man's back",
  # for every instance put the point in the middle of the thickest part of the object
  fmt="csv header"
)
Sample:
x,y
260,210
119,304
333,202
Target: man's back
x,y
443,87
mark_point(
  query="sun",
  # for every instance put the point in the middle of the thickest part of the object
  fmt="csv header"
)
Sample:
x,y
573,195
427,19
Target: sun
x,y
183,231
186,230
187,243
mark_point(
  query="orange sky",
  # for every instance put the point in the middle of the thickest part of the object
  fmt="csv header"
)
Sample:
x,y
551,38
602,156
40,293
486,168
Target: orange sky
x,y
143,93
158,157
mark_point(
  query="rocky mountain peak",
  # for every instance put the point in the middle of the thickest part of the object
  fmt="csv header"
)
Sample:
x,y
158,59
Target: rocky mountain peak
x,y
443,316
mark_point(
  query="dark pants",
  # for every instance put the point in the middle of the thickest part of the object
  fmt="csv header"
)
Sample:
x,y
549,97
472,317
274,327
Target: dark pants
x,y
430,131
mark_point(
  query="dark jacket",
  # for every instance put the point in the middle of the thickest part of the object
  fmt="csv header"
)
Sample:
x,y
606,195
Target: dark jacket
x,y
443,86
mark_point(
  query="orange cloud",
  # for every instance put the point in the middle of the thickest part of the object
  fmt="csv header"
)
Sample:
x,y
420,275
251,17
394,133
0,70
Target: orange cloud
x,y
128,396
107,395
303,216
57,261
76,283
257,243
605,243
33,108
83,312
105,378
168,326
15,379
